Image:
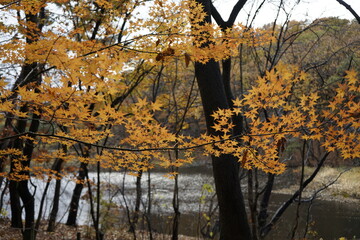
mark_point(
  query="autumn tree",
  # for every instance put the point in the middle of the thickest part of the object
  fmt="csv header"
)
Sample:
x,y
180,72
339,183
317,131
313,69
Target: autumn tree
x,y
74,85
233,218
278,111
297,43
94,85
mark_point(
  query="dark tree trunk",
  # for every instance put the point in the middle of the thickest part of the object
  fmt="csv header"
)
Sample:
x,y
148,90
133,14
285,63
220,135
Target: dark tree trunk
x,y
74,204
26,197
263,214
20,189
2,163
233,219
28,200
15,205
30,73
14,185
136,215
55,207
175,204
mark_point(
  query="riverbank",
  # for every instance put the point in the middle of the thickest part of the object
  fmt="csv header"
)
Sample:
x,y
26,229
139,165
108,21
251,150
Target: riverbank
x,y
330,184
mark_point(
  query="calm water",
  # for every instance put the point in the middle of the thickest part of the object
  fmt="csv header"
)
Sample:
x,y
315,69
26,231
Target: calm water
x,y
329,220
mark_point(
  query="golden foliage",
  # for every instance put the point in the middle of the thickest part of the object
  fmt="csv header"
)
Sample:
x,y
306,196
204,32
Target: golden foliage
x,y
277,109
89,64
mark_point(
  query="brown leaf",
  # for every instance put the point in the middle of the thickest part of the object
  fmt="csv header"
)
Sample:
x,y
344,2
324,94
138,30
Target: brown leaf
x,y
281,144
187,59
169,51
244,158
159,57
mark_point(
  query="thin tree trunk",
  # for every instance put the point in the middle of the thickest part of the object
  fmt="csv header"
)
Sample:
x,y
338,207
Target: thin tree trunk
x,y
265,230
56,167
28,200
137,202
53,214
148,211
252,200
263,214
74,204
55,207
175,203
95,217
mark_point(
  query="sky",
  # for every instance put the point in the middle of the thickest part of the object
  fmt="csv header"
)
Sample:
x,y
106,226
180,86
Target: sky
x,y
306,10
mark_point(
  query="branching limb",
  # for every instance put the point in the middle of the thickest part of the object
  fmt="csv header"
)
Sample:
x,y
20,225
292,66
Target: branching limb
x,y
351,10
311,199
286,204
234,13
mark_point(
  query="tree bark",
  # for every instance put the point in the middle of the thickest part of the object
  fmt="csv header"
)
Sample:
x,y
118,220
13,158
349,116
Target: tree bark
x,y
15,205
74,204
233,218
55,208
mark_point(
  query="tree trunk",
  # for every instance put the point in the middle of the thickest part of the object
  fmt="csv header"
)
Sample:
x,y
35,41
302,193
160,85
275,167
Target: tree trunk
x,y
55,208
263,214
28,200
233,219
20,189
57,166
138,198
74,204
15,205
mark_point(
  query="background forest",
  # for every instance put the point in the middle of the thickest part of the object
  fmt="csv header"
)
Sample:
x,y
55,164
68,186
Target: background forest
x,y
144,120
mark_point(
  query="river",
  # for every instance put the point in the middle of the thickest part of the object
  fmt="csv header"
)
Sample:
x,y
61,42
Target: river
x,y
328,219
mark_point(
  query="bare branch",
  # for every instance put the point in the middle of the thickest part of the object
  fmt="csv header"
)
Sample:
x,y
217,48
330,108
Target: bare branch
x,y
234,13
348,7
286,204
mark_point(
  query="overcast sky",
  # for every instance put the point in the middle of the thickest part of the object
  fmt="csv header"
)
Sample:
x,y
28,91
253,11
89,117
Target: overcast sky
x,y
306,10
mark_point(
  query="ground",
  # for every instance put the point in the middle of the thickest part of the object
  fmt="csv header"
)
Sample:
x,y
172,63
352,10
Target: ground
x,y
64,232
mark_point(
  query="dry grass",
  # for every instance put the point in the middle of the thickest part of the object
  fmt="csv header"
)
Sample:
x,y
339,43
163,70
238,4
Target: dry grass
x,y
347,186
